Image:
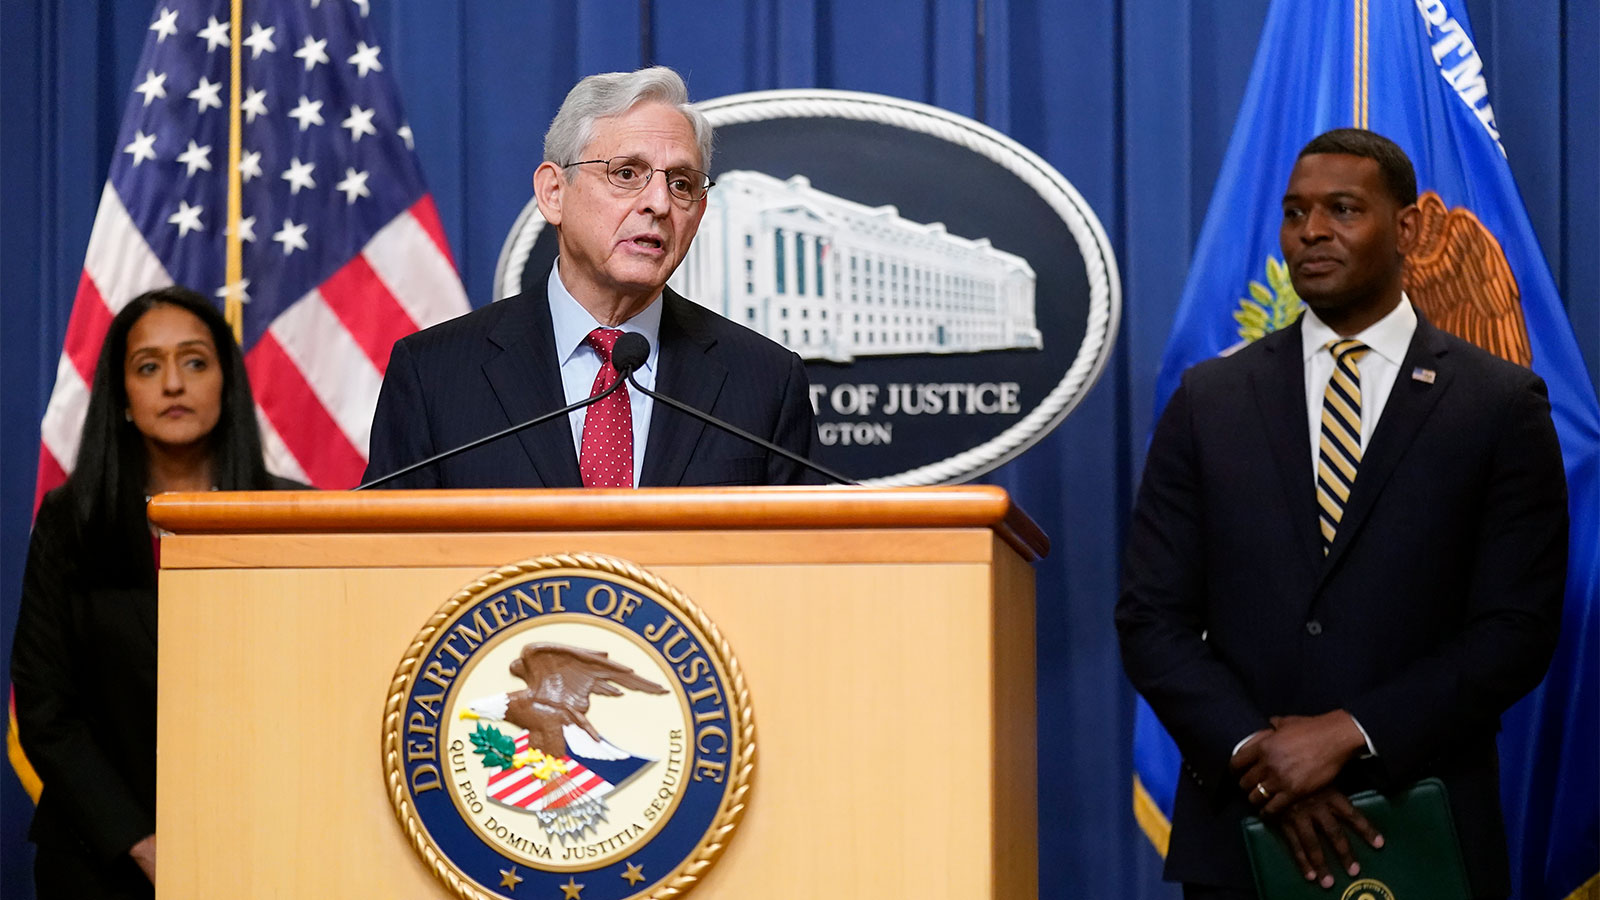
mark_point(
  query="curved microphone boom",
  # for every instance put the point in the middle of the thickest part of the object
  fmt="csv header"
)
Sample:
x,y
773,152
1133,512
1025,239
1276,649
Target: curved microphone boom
x,y
635,349
625,362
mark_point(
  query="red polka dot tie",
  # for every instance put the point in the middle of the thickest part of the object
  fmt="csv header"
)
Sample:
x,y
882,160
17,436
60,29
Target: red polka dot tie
x,y
606,459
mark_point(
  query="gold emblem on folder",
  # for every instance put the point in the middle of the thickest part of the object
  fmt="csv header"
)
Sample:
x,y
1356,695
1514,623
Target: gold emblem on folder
x,y
1367,889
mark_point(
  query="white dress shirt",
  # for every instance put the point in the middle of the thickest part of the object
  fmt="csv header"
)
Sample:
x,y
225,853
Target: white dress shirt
x,y
1389,338
571,324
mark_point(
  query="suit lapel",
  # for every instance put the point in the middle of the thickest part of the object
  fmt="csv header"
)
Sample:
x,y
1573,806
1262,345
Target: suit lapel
x,y
685,373
1410,402
1279,385
526,378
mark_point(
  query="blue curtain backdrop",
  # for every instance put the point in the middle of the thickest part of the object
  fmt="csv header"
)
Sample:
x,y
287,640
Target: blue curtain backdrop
x,y
1133,100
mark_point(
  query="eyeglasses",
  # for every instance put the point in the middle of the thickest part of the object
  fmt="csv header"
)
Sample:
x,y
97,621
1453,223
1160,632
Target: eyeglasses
x,y
632,174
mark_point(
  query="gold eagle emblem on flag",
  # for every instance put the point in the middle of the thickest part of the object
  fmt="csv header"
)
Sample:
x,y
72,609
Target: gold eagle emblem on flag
x,y
1458,276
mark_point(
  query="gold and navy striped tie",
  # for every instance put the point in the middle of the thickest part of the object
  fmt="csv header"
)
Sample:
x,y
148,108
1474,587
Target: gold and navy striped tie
x,y
1339,448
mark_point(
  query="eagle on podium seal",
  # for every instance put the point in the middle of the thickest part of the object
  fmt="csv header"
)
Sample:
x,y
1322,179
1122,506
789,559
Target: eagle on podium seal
x,y
570,726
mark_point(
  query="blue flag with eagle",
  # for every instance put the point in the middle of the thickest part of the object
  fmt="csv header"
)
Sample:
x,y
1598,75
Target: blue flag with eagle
x,y
1410,71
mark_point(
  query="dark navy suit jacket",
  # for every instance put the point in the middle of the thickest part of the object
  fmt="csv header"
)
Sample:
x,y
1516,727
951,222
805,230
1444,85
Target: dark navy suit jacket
x,y
1437,606
496,366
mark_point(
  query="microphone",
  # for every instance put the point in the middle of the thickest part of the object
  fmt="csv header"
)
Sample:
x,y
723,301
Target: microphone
x,y
625,357
637,350
629,352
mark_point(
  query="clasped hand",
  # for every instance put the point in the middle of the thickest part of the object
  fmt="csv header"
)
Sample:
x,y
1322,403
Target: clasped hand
x,y
1324,815
1286,772
1298,756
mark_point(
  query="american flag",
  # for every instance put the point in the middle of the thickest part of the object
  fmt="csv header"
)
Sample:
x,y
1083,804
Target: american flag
x,y
519,787
343,251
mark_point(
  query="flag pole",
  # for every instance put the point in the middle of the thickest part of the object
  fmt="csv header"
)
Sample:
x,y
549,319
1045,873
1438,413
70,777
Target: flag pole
x,y
1358,47
233,306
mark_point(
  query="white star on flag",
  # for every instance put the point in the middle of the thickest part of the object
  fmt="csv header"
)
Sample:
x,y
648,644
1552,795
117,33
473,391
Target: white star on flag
x,y
153,87
143,147
247,233
365,7
165,25
249,165
292,237
354,185
215,34
405,133
365,59
359,123
299,175
260,40
255,104
244,290
313,52
187,218
207,95
197,158
308,113
325,312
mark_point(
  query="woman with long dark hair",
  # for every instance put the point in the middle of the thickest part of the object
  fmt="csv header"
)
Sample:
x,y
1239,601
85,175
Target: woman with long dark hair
x,y
170,409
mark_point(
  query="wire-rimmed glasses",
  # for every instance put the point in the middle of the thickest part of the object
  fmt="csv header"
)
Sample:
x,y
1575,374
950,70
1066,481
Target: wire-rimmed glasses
x,y
633,174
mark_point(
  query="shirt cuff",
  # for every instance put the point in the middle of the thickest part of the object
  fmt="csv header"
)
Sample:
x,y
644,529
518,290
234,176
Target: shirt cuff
x,y
1240,746
1371,750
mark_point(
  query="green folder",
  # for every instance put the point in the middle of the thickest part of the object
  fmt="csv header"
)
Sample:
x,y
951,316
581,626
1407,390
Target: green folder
x,y
1421,857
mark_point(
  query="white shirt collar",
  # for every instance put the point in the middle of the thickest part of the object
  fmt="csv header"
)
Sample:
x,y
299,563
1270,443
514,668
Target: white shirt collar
x,y
1389,337
572,323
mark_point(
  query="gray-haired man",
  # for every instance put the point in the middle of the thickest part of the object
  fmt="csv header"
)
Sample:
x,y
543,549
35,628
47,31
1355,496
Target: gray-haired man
x,y
624,183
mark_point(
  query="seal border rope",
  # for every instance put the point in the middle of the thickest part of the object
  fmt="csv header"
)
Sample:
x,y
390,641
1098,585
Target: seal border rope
x,y
735,797
1100,264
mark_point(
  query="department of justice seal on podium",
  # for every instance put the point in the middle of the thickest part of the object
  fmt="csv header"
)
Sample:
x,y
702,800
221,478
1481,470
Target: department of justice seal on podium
x,y
570,726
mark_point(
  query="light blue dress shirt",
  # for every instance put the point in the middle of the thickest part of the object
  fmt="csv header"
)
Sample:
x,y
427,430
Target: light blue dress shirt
x,y
571,324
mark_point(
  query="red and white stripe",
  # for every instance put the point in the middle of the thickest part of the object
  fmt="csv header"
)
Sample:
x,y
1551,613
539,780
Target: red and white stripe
x,y
518,787
118,266
316,370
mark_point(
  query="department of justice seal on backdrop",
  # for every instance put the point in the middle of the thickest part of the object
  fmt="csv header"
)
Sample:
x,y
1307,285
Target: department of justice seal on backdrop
x,y
569,724
952,295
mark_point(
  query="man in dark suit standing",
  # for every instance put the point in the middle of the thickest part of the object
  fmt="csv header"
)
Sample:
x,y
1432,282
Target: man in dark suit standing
x,y
1347,554
624,184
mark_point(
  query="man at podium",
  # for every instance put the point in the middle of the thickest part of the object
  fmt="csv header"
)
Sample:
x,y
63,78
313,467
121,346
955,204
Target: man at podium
x,y
624,182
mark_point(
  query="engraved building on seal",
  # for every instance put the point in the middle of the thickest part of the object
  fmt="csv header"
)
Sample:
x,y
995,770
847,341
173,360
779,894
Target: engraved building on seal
x,y
834,279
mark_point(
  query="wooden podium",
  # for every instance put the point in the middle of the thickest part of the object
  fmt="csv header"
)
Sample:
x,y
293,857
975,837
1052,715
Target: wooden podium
x,y
887,636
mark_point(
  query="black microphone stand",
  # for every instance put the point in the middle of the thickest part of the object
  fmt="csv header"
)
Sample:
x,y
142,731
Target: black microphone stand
x,y
626,376
733,429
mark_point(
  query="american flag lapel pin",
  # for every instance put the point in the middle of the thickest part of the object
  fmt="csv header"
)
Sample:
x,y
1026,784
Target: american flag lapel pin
x,y
1426,376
